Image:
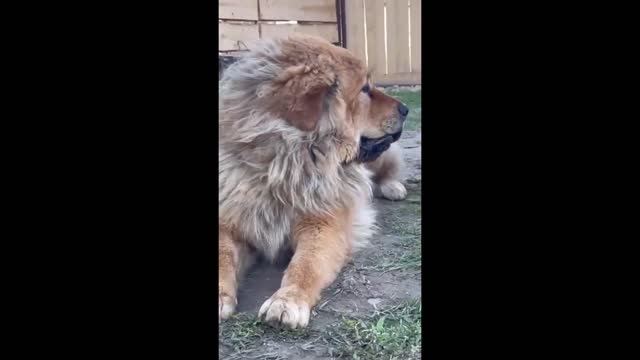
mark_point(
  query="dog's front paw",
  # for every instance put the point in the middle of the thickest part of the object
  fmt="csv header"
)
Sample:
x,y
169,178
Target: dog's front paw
x,y
226,306
393,190
288,307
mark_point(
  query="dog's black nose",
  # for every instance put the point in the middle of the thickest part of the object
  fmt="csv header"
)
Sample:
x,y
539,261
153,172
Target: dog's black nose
x,y
403,110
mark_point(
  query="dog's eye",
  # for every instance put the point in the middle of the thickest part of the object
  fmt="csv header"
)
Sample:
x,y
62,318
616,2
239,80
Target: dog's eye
x,y
366,89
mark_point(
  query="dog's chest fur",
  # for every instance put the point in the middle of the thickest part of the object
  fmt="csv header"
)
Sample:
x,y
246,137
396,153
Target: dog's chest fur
x,y
262,202
258,218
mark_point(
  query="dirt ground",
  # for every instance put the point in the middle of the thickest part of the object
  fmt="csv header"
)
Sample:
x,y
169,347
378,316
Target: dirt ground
x,y
372,311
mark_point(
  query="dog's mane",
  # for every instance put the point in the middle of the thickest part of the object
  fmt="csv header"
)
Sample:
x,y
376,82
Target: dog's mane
x,y
286,171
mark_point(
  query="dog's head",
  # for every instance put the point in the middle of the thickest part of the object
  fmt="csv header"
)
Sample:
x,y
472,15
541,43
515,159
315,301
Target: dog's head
x,y
324,90
320,90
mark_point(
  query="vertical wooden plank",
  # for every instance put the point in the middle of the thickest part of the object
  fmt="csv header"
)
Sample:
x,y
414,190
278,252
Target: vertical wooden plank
x,y
416,35
375,36
354,12
398,36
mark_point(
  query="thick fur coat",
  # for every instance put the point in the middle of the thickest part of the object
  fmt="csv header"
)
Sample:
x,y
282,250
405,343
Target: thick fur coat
x,y
294,115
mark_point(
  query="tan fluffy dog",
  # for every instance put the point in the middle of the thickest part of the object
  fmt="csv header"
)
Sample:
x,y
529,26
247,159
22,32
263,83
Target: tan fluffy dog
x,y
298,122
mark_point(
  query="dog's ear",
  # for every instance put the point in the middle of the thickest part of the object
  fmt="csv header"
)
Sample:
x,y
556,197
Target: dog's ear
x,y
300,93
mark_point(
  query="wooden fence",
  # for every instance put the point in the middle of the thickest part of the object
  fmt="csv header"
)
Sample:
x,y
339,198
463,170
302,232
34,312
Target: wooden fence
x,y
242,22
386,34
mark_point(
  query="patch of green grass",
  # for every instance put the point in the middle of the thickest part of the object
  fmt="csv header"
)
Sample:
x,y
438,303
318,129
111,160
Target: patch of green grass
x,y
405,256
404,221
243,332
410,98
410,259
409,252
413,100
391,333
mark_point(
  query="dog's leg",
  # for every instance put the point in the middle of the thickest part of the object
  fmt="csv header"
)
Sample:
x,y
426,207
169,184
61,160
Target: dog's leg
x,y
233,259
321,247
386,174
